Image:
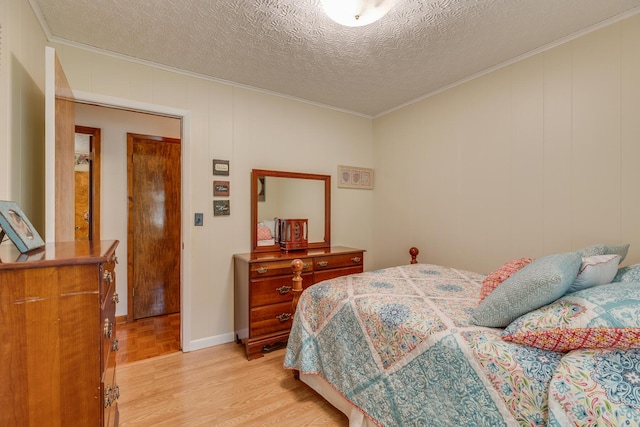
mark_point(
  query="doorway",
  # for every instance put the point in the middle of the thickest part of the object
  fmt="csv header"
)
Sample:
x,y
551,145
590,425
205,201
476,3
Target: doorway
x,y
154,219
108,106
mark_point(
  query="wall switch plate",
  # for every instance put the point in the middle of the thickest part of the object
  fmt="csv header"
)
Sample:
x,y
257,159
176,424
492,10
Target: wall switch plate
x,y
198,220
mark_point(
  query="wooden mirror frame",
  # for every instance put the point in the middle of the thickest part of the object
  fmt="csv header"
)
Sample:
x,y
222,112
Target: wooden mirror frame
x,y
257,173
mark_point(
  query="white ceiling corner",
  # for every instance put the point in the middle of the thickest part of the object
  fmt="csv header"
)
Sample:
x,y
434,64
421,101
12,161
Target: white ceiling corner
x,y
292,48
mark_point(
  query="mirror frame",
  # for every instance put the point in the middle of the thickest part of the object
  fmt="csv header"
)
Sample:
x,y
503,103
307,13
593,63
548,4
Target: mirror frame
x,y
255,174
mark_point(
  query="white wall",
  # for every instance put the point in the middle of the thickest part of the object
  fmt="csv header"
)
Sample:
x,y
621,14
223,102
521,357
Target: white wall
x,y
114,125
534,158
251,129
22,44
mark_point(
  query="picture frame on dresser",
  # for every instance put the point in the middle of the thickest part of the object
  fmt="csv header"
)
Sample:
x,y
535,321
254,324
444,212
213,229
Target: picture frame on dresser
x,y
15,224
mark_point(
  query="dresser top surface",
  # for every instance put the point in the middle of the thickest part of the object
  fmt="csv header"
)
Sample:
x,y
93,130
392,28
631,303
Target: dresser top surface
x,y
286,255
59,253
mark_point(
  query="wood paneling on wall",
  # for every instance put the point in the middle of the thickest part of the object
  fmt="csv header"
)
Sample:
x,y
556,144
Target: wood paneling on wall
x,y
531,159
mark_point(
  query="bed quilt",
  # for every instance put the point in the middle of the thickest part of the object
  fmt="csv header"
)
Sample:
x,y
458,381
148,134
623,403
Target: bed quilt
x,y
397,344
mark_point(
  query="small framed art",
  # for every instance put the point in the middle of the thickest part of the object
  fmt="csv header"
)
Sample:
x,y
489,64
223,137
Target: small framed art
x,y
221,188
15,224
354,177
221,167
221,208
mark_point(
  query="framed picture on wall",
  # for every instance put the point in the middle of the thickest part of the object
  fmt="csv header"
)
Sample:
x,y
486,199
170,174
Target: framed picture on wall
x,y
221,167
221,188
354,177
15,224
221,208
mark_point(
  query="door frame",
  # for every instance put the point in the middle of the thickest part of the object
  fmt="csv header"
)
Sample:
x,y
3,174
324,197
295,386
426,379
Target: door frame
x,y
185,227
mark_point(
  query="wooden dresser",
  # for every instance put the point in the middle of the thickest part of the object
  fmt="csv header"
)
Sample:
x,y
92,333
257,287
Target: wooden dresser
x,y
263,297
58,335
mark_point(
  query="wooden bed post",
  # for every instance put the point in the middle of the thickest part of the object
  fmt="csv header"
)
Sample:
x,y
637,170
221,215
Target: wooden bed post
x,y
414,254
296,266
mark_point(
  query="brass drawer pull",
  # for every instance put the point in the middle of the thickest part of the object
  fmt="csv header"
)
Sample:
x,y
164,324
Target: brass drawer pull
x,y
108,396
323,263
115,298
283,317
283,290
115,345
306,266
111,395
262,270
107,276
356,259
108,328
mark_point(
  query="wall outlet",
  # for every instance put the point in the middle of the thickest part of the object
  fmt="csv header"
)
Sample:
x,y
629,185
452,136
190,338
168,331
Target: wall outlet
x,y
198,220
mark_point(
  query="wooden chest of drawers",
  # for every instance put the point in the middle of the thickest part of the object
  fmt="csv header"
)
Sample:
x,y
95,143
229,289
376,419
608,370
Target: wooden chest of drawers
x,y
57,336
263,297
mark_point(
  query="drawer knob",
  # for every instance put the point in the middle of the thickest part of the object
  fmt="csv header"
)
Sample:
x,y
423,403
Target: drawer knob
x,y
323,263
262,270
283,290
356,259
283,317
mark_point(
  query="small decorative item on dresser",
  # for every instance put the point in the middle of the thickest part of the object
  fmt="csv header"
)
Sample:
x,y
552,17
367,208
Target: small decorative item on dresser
x,y
292,234
15,224
221,188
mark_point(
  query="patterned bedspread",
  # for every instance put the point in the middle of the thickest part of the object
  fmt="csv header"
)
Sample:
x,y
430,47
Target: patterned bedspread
x,y
397,344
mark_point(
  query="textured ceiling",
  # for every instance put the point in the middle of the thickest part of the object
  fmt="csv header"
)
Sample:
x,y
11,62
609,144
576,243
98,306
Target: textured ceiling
x,y
291,47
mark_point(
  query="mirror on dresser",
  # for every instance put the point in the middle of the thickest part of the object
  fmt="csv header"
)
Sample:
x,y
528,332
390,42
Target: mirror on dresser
x,y
279,194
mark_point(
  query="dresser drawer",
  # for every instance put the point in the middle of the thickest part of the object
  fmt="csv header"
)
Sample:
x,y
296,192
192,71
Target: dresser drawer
x,y
337,261
319,276
273,290
271,318
277,268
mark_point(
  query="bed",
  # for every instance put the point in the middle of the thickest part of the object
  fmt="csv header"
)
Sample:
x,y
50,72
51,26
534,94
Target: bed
x,y
550,341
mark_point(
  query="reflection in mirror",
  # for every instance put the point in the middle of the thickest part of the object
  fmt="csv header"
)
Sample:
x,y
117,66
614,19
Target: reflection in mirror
x,y
289,195
292,198
81,172
87,183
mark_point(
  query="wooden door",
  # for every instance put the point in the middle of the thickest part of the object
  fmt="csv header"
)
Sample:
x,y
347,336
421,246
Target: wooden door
x,y
59,152
154,225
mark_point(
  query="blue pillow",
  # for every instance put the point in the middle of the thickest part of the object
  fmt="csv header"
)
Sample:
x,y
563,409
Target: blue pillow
x,y
630,273
539,283
601,249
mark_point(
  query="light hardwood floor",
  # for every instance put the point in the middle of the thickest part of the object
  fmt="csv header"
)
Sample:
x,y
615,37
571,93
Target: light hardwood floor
x,y
217,386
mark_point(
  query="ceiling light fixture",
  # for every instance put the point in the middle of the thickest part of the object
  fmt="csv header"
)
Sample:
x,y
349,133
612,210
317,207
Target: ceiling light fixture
x,y
356,13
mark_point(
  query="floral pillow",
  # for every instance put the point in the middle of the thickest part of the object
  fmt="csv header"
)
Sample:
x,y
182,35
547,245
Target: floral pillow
x,y
498,276
630,273
606,316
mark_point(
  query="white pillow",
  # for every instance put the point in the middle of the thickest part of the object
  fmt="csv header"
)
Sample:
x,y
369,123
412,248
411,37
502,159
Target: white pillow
x,y
595,270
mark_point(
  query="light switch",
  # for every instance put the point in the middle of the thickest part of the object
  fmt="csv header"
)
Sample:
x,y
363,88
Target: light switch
x,y
198,220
